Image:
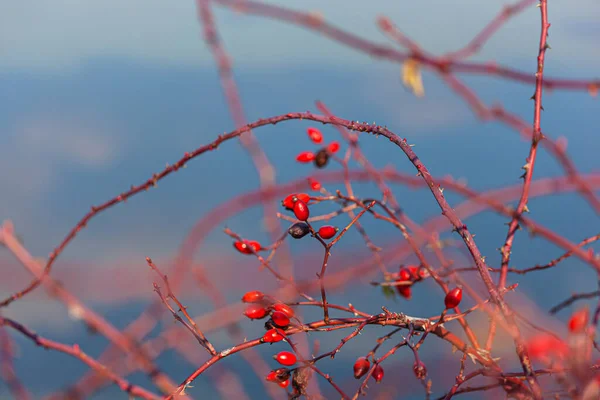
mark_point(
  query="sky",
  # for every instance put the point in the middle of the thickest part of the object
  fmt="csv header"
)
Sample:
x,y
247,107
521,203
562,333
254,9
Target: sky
x,y
97,96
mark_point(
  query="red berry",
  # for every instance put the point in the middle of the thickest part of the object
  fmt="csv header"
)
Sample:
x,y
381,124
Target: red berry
x,y
254,311
273,335
253,297
453,298
288,202
305,157
404,291
315,135
333,147
284,308
245,246
285,358
414,272
272,376
377,373
301,210
579,320
361,367
314,184
280,319
423,273
328,231
404,275
285,383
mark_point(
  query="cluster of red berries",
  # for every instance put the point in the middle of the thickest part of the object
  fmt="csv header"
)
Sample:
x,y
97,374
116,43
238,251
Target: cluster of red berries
x,y
261,306
321,157
410,275
362,365
298,203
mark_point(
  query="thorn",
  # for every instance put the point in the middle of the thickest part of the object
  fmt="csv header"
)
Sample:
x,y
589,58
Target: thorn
x,y
525,208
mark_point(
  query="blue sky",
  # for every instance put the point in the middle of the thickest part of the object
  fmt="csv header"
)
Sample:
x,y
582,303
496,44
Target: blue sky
x,y
97,96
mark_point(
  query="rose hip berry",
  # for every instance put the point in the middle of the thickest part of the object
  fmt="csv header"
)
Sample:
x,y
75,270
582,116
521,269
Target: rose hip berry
x,y
254,311
315,135
285,358
301,210
284,308
579,320
377,373
453,298
333,147
245,246
328,231
288,202
285,383
253,296
305,157
273,335
314,184
299,230
361,367
280,319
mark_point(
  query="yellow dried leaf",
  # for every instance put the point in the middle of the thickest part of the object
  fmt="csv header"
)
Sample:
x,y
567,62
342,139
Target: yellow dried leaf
x,y
411,77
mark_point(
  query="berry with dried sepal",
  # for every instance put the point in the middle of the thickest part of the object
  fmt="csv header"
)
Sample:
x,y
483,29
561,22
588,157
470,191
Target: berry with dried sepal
x,y
453,298
377,373
315,135
288,202
285,358
253,296
306,157
361,367
301,210
246,246
280,319
254,311
299,230
328,231
321,158
285,384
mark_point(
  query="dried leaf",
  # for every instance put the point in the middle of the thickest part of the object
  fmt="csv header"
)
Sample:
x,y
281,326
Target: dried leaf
x,y
411,77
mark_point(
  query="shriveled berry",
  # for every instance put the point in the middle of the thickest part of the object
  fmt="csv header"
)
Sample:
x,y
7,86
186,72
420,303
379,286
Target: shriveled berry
x,y
246,246
321,158
301,210
377,373
328,231
453,298
284,308
299,230
314,184
305,157
253,296
273,335
361,367
315,135
288,202
280,319
285,358
254,311
579,320
333,147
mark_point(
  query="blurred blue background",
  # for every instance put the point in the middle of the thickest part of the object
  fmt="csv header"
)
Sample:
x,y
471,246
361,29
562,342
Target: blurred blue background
x,y
96,96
